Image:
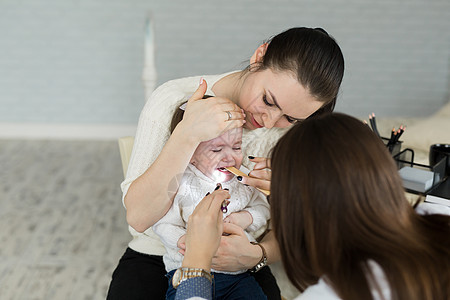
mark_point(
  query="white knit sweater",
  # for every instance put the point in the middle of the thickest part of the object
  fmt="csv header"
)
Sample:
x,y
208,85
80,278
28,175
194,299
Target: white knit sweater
x,y
193,187
153,132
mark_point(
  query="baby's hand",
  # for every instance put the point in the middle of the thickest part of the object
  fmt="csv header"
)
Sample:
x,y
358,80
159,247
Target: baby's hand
x,y
182,244
242,219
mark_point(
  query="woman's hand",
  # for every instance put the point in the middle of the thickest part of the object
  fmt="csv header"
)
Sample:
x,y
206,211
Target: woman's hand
x,y
204,120
235,252
204,230
261,174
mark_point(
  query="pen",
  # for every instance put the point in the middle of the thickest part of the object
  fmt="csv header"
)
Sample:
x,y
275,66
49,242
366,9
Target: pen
x,y
391,139
374,126
399,133
391,146
371,122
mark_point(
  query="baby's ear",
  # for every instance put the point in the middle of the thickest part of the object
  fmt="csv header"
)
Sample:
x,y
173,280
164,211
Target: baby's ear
x,y
259,54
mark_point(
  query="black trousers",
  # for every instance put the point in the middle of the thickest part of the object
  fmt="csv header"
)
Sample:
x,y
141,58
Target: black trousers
x,y
142,276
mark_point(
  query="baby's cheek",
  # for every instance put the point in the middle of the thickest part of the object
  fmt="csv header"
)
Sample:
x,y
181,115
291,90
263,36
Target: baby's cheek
x,y
238,161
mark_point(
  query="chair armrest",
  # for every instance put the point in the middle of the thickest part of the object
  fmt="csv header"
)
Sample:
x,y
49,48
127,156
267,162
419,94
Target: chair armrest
x,y
125,148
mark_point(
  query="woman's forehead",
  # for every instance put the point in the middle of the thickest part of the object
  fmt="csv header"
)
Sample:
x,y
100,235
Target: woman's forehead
x,y
294,99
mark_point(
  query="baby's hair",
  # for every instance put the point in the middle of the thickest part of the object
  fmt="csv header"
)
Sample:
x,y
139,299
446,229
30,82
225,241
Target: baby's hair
x,y
176,118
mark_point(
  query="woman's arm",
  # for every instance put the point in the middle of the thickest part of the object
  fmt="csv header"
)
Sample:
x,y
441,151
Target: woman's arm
x,y
150,195
202,239
204,230
270,244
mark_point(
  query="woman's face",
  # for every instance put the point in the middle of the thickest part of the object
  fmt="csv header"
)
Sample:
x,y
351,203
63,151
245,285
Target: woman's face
x,y
211,157
275,99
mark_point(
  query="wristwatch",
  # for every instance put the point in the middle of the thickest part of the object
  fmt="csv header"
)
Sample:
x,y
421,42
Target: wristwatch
x,y
263,262
182,274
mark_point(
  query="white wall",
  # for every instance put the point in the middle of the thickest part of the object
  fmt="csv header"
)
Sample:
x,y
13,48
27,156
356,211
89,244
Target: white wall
x,y
80,61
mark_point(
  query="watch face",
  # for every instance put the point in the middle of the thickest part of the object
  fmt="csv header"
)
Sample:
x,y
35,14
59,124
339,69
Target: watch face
x,y
176,277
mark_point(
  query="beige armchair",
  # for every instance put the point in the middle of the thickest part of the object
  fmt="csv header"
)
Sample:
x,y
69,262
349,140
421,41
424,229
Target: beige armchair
x,y
125,148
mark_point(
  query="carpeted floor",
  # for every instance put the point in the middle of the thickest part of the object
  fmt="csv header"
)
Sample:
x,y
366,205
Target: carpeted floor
x,y
62,223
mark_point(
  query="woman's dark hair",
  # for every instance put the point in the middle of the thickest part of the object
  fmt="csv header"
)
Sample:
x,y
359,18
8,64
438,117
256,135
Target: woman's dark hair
x,y
313,56
337,205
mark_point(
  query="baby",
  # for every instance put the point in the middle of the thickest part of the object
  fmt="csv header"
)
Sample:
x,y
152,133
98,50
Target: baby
x,y
248,209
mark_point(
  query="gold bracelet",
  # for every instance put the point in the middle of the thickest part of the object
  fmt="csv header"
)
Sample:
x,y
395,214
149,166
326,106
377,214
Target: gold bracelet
x,y
262,262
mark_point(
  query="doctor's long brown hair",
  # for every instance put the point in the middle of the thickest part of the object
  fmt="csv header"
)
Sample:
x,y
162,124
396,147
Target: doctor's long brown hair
x,y
337,202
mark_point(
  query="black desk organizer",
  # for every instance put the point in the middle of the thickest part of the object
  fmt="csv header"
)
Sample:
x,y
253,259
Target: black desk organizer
x,y
406,158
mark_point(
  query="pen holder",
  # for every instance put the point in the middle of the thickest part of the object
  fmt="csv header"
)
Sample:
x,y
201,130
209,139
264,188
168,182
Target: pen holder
x,y
394,149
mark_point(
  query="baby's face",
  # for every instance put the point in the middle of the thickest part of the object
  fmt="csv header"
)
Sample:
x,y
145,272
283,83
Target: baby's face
x,y
211,157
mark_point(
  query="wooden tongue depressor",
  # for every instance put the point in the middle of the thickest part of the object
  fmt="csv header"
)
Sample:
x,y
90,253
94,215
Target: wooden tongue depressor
x,y
240,173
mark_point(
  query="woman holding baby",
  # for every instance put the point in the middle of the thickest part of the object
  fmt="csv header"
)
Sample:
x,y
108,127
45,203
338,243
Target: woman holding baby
x,y
291,77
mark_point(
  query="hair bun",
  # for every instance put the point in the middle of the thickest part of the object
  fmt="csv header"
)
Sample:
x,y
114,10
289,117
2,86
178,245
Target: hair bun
x,y
322,30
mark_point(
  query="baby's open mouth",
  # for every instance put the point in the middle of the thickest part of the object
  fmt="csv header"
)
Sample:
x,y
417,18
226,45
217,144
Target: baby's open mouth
x,y
223,170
